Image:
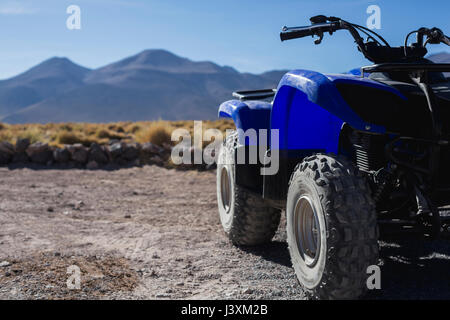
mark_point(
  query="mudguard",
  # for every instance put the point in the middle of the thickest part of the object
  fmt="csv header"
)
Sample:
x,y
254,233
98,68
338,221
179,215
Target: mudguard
x,y
309,111
247,115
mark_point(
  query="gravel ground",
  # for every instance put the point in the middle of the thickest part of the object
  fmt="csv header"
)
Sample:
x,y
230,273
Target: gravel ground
x,y
152,233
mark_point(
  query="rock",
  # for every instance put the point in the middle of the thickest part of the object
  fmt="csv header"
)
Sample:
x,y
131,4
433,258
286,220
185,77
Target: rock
x,y
148,151
6,152
113,141
131,151
78,205
149,148
20,157
127,216
153,273
123,152
107,154
92,165
116,150
247,291
40,153
4,264
61,155
167,147
78,153
97,154
50,209
156,160
22,145
136,163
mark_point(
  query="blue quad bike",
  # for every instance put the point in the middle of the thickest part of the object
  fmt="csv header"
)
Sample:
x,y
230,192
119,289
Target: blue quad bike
x,y
355,151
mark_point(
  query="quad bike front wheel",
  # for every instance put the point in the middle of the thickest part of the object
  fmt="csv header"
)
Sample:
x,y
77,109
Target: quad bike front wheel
x,y
245,217
331,227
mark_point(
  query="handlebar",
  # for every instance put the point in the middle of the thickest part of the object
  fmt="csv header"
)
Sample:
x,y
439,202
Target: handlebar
x,y
433,36
375,48
301,32
319,27
446,40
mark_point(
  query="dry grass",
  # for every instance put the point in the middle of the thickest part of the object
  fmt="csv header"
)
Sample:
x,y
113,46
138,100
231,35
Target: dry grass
x,y
58,134
158,132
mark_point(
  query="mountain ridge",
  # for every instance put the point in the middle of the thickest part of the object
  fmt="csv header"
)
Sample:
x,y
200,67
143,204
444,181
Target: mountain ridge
x,y
153,84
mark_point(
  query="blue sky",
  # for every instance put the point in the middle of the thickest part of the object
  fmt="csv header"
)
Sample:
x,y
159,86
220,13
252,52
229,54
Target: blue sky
x,y
239,33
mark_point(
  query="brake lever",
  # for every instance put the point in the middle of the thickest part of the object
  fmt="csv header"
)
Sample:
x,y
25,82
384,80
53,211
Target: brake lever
x,y
319,41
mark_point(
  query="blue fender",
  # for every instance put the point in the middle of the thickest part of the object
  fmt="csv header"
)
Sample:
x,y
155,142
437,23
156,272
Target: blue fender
x,y
309,111
247,114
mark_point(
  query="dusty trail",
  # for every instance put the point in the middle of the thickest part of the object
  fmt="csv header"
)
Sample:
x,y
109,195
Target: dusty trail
x,y
152,233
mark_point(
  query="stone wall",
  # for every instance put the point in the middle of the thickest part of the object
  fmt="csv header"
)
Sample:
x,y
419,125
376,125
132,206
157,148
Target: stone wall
x,y
93,157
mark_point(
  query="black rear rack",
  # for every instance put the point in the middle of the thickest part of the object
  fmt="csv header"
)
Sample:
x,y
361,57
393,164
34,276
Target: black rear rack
x,y
406,67
254,94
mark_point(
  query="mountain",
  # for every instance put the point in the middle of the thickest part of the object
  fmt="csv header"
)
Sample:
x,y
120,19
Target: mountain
x,y
443,57
51,77
151,85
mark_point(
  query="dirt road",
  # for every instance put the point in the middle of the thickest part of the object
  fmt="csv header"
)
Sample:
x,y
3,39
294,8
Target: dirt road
x,y
152,233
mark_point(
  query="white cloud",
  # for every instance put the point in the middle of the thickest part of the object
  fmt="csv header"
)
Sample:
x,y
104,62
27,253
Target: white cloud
x,y
15,8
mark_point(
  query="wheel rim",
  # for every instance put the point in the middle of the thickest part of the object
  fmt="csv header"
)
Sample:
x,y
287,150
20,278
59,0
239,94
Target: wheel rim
x,y
307,231
225,189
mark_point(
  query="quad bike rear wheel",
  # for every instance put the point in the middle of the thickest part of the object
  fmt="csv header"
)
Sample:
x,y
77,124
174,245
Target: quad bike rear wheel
x,y
245,217
331,227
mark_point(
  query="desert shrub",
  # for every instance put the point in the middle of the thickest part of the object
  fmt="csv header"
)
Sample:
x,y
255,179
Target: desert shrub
x,y
134,128
223,124
158,132
116,127
32,133
107,134
74,138
66,127
6,136
67,137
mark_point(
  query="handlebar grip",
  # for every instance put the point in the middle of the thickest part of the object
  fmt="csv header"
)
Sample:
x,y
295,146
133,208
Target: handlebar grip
x,y
446,40
295,34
